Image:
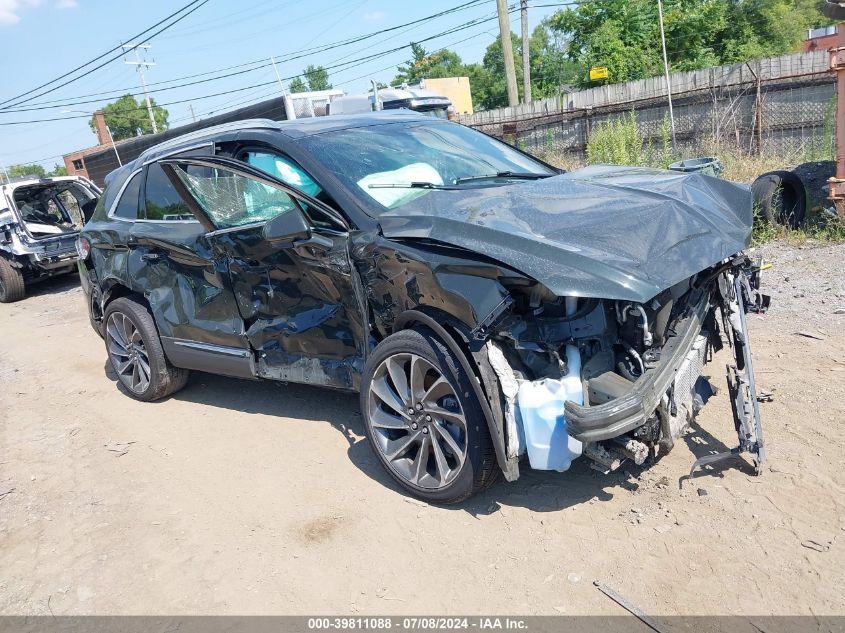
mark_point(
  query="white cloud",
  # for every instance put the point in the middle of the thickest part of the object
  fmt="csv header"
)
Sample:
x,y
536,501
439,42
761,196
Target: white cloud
x,y
11,10
375,15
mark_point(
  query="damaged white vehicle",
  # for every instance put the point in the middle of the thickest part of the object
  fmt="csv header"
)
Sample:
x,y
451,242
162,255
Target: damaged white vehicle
x,y
40,219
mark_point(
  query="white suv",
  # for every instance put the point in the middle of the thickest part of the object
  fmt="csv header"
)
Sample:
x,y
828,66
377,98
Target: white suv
x,y
40,219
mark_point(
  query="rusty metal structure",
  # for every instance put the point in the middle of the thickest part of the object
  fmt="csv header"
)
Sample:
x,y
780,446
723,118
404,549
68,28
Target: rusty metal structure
x,y
836,11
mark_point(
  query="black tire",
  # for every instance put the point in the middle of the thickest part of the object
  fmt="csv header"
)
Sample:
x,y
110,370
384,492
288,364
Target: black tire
x,y
164,378
479,468
12,287
779,196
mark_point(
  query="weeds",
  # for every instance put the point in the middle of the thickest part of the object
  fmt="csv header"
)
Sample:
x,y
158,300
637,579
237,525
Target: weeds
x,y
617,142
822,228
620,142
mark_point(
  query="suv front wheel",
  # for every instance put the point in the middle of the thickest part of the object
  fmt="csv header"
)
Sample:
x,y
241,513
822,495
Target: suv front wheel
x,y
423,419
135,352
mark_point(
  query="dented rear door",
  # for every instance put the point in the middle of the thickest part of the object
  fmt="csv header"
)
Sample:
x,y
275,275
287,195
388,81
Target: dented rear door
x,y
185,281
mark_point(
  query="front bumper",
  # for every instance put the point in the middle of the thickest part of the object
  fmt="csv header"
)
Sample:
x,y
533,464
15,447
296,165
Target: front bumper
x,y
626,413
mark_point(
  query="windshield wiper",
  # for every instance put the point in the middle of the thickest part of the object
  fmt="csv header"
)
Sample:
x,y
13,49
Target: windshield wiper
x,y
520,175
407,185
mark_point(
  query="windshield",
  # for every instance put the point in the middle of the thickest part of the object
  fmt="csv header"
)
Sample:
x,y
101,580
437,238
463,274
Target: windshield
x,y
387,166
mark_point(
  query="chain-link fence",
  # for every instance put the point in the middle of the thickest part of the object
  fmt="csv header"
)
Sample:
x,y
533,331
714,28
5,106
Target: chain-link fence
x,y
784,105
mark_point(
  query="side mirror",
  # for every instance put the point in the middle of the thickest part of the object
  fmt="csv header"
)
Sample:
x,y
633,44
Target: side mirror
x,y
287,228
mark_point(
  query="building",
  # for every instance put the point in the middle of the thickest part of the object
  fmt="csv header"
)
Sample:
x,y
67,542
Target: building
x,y
96,162
820,39
75,161
456,89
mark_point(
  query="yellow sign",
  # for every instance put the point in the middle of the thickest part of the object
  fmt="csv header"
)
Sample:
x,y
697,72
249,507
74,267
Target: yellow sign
x,y
598,72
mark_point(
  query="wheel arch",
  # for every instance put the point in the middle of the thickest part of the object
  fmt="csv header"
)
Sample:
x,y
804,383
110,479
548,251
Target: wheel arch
x,y
15,261
455,336
113,289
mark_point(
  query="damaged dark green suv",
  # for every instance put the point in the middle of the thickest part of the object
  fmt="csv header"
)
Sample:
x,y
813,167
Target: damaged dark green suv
x,y
485,305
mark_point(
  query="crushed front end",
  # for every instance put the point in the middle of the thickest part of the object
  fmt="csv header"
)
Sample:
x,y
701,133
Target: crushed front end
x,y
614,380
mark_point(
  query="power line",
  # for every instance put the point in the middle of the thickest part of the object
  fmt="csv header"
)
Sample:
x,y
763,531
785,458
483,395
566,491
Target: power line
x,y
227,20
263,63
255,98
235,103
18,101
140,65
339,64
111,50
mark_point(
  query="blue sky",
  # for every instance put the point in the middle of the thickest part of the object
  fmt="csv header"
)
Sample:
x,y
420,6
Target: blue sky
x,y
42,39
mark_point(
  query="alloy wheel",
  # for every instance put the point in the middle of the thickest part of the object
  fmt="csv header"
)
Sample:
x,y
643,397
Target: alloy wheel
x,y
127,352
417,421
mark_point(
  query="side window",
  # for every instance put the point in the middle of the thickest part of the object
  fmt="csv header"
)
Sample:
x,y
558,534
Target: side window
x,y
231,200
161,200
284,169
292,174
127,206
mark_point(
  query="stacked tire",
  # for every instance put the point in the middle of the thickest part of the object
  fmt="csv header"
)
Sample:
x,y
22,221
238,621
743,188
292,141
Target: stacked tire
x,y
779,198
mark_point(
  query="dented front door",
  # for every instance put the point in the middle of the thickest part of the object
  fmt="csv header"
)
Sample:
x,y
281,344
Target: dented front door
x,y
297,301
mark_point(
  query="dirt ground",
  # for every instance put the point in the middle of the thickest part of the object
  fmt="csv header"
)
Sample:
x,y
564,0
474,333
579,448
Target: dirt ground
x,y
254,497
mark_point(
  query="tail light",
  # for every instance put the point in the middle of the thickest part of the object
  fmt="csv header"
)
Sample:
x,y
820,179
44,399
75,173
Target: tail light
x,y
83,247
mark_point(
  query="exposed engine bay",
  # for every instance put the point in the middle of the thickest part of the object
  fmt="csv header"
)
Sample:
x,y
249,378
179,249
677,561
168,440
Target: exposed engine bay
x,y
54,208
40,219
629,373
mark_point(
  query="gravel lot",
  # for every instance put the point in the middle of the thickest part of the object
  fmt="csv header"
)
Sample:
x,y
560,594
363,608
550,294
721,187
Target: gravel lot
x,y
252,497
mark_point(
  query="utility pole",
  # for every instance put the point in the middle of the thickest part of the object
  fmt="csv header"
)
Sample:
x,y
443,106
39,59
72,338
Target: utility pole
x,y
141,65
193,116
526,61
278,76
507,51
114,147
666,71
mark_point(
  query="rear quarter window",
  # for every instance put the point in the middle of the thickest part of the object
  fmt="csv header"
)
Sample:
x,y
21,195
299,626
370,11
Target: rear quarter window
x,y
127,205
161,200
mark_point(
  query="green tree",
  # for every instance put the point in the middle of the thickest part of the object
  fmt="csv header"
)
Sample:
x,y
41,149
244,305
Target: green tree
x,y
297,85
17,171
551,69
127,117
495,93
624,35
424,65
548,62
317,77
58,170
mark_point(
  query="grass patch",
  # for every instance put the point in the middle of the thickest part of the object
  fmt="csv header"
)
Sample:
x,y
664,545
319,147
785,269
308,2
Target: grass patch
x,y
821,229
619,142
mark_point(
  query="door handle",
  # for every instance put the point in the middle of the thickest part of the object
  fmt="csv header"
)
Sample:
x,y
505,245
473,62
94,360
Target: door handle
x,y
152,257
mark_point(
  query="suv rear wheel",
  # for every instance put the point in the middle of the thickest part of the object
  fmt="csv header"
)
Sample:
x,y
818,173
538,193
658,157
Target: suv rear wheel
x,y
423,420
11,283
135,352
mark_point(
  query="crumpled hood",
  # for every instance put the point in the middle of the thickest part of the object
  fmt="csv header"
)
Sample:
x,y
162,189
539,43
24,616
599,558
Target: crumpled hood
x,y
608,232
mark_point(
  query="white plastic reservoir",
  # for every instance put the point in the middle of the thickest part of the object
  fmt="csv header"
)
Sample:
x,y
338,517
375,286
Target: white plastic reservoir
x,y
540,413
